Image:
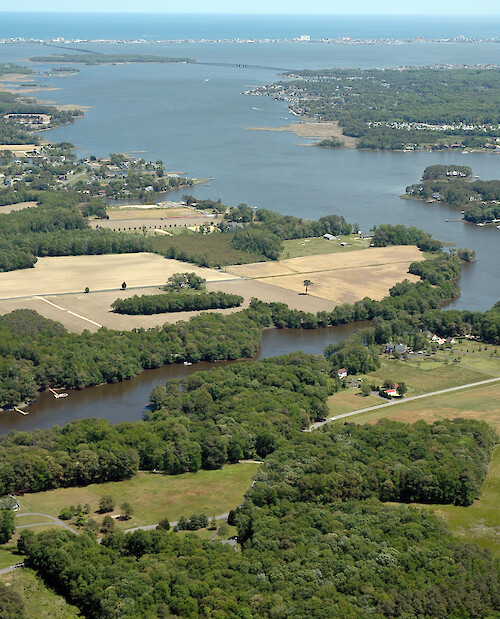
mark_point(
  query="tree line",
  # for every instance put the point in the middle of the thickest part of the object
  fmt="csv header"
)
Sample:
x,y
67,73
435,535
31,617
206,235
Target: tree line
x,y
176,302
315,539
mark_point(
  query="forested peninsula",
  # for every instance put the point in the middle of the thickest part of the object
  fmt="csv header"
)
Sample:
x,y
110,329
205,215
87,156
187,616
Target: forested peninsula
x,y
399,109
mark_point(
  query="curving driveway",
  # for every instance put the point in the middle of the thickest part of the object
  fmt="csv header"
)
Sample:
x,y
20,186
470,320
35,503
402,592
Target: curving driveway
x,y
51,520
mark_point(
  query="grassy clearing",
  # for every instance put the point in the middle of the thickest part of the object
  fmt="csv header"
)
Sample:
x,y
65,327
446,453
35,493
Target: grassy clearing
x,y
9,555
480,522
296,248
350,399
209,249
475,355
425,375
39,601
23,520
154,496
481,402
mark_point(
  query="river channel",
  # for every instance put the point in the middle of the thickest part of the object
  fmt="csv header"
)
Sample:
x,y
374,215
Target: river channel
x,y
126,401
195,118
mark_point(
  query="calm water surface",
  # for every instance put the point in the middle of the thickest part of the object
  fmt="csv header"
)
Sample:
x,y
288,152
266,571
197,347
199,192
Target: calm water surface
x,y
127,400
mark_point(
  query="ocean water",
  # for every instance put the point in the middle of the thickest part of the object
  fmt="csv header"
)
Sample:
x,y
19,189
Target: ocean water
x,y
164,26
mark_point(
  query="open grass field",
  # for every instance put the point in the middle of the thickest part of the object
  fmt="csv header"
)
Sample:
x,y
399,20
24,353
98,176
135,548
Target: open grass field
x,y
426,375
215,248
154,496
474,355
480,522
347,400
40,602
482,402
429,374
70,274
10,208
9,555
338,278
296,248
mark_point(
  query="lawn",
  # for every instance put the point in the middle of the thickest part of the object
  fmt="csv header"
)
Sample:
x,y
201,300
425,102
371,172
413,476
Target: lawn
x,y
154,496
474,355
423,376
39,601
296,248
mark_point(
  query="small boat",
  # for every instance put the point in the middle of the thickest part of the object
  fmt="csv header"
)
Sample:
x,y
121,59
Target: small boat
x,y
187,363
58,395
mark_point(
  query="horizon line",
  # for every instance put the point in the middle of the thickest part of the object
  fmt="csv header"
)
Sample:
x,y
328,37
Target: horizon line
x,y
295,14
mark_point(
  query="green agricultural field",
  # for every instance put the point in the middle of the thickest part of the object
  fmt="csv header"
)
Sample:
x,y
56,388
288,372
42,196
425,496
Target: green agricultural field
x,y
204,249
318,245
154,496
40,602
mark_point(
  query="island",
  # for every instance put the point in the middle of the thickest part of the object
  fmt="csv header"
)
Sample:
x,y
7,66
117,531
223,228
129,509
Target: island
x,y
455,185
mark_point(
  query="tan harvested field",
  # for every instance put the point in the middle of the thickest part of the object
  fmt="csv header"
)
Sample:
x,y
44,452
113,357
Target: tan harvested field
x,y
20,149
321,131
55,287
69,274
81,311
10,208
127,223
338,278
152,212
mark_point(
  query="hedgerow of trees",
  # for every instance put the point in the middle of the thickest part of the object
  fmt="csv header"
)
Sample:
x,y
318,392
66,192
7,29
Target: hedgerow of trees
x,y
176,302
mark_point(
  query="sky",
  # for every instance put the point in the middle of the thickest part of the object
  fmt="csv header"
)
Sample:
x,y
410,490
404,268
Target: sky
x,y
335,7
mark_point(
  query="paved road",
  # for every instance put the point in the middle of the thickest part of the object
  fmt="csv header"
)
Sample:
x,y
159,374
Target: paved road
x,y
150,527
51,519
372,409
11,568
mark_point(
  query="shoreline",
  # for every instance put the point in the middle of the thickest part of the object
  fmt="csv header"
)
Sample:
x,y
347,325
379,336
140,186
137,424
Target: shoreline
x,y
313,130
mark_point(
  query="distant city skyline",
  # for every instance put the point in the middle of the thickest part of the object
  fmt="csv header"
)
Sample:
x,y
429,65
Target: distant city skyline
x,y
330,7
